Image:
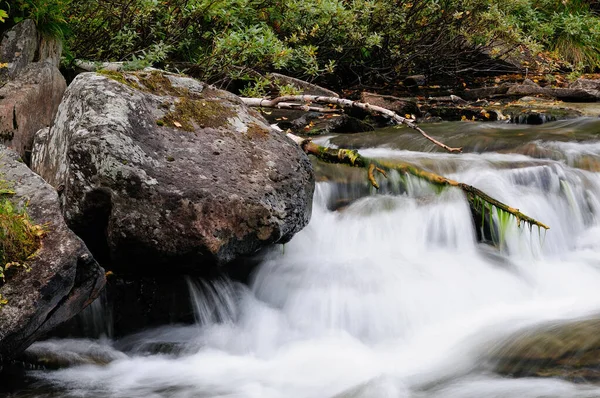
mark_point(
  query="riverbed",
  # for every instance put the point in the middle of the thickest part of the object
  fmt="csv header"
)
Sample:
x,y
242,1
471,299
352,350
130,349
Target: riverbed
x,y
386,293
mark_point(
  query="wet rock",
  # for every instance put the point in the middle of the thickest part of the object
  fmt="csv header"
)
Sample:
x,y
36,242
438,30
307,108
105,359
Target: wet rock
x,y
569,350
306,87
538,114
401,106
455,113
161,172
315,123
485,92
28,103
58,354
64,277
573,94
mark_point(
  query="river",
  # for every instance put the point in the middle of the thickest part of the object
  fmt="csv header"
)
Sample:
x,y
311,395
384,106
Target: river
x,y
384,294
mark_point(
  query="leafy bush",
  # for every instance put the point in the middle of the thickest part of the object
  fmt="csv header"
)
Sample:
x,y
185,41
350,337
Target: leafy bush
x,y
342,41
50,16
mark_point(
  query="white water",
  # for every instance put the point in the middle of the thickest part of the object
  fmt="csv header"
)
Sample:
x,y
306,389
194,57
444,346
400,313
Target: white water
x,y
390,297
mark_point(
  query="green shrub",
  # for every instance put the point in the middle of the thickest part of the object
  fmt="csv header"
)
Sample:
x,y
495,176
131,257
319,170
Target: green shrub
x,y
50,16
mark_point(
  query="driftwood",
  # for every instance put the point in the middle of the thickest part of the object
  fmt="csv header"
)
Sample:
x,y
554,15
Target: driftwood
x,y
477,198
345,103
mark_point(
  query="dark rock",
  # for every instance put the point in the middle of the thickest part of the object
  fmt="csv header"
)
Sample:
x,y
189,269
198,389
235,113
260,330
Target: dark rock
x,y
29,103
525,89
539,114
586,84
18,48
314,123
574,94
306,87
401,106
455,113
162,172
415,81
529,82
64,277
485,92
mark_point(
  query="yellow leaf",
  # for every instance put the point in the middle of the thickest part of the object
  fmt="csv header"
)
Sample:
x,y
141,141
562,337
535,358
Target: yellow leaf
x,y
177,124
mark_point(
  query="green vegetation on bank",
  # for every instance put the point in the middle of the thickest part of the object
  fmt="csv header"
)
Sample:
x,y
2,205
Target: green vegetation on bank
x,y
340,41
19,237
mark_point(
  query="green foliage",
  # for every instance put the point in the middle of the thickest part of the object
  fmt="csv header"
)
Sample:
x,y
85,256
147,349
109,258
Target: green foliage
x,y
339,40
50,16
570,29
19,237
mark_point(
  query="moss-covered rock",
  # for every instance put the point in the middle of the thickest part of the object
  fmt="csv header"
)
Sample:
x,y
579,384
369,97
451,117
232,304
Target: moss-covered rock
x,y
61,278
569,350
161,171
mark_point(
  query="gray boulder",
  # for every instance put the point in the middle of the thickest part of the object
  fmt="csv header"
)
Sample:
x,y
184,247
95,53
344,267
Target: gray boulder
x,y
31,86
29,103
18,48
64,277
162,171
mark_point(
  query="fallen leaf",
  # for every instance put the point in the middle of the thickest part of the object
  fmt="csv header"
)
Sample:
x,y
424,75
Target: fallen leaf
x,y
177,124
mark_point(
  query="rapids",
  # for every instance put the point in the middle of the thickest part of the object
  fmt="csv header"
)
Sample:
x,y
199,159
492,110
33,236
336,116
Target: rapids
x,y
384,294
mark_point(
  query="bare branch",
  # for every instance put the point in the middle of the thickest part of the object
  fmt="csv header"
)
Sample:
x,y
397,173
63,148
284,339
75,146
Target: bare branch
x,y
345,103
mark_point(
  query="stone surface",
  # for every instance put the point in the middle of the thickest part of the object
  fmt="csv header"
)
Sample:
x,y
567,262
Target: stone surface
x,y
64,277
525,90
401,106
29,103
586,84
18,48
314,123
485,92
161,172
569,350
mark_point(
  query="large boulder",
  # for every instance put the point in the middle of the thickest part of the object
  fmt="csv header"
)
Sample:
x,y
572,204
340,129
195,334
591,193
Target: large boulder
x,y
29,103
569,350
160,170
64,277
18,48
31,86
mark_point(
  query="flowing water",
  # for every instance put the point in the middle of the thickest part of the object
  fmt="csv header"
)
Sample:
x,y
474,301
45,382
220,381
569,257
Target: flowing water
x,y
387,294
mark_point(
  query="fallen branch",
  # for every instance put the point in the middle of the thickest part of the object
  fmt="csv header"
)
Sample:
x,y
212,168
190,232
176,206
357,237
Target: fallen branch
x,y
350,157
345,103
305,108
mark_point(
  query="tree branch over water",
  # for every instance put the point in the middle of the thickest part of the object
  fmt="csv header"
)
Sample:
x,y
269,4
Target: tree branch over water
x,y
476,197
344,103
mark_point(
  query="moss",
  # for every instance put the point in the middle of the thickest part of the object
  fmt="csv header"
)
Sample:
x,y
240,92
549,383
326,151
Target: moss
x,y
256,131
190,114
117,76
19,237
154,82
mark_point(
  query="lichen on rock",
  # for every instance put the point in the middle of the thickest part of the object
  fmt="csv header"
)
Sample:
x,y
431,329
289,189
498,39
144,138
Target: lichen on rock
x,y
162,170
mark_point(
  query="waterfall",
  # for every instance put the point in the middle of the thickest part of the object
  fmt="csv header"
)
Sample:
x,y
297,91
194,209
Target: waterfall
x,y
386,294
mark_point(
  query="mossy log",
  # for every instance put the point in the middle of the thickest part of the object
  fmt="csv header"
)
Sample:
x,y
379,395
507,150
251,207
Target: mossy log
x,y
344,103
350,157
